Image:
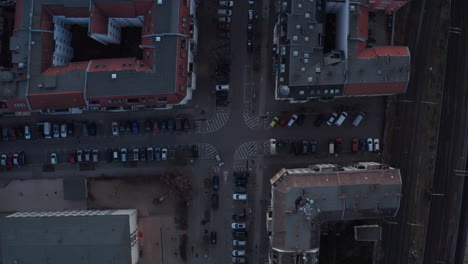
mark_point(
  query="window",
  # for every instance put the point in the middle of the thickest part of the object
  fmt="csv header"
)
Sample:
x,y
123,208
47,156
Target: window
x,y
183,44
94,102
132,100
150,99
162,99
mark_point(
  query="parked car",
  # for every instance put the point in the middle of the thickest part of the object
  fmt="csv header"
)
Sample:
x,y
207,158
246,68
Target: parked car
x,y
358,119
9,160
164,154
63,130
171,125
238,217
341,119
22,158
164,126
156,128
273,146
224,12
223,26
115,128
219,160
363,144
238,225
194,151
332,118
92,129
355,145
136,154
249,45
240,189
55,130
226,3
27,132
331,146
292,120
313,146
15,158
305,147
171,154
238,252
123,154
237,196
95,155
215,182
70,129
370,146
186,125
338,142
224,19
53,158
143,154
251,16
79,155
300,120
274,121
149,154
5,136
115,156
239,242
239,234
238,260
376,145
3,160
148,126
214,201
213,238
319,120
220,87
135,128
128,127
72,156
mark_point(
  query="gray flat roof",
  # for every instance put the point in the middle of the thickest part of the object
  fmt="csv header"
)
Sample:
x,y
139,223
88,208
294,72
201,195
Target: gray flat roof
x,y
304,198
73,240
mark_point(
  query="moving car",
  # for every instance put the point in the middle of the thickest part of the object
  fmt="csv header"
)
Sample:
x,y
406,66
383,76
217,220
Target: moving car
x,y
213,238
219,160
239,197
215,182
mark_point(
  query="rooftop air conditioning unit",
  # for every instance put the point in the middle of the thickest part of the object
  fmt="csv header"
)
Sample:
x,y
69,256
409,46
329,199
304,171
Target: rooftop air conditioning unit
x,y
114,76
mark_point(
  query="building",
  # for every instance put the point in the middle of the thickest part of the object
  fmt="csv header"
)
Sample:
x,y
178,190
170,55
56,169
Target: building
x,y
304,198
322,51
72,237
100,55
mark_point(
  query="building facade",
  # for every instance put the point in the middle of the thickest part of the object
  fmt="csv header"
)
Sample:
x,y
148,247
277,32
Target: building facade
x,y
100,55
72,236
322,51
304,198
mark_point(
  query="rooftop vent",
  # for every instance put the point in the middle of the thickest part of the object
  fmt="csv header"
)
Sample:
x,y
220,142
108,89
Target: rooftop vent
x,y
307,15
310,79
298,26
306,55
299,5
295,53
306,60
295,38
311,27
379,72
114,76
158,39
317,70
352,8
303,69
306,38
301,92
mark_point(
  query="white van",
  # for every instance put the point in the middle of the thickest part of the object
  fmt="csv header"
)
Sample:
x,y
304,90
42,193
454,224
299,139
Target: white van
x,y
331,147
47,128
27,132
358,119
221,87
341,119
273,146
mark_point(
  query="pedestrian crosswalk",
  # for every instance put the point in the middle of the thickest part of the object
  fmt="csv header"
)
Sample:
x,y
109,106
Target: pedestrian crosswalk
x,y
246,150
206,150
209,126
253,122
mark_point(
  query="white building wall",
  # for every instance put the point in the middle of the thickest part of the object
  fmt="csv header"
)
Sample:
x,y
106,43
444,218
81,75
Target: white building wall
x,y
63,52
60,213
341,10
114,29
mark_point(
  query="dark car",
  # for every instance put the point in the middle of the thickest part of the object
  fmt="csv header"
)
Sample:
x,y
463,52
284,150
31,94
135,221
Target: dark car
x,y
298,148
70,129
5,134
319,120
179,124
215,182
300,120
241,182
148,126
156,126
249,45
164,126
194,151
355,145
240,189
213,238
226,35
143,154
239,234
22,158
135,128
222,78
241,174
12,134
338,145
157,153
128,127
92,129
222,102
214,201
363,144
20,132
222,94
238,217
72,156
313,146
186,125
171,125
305,147
10,160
